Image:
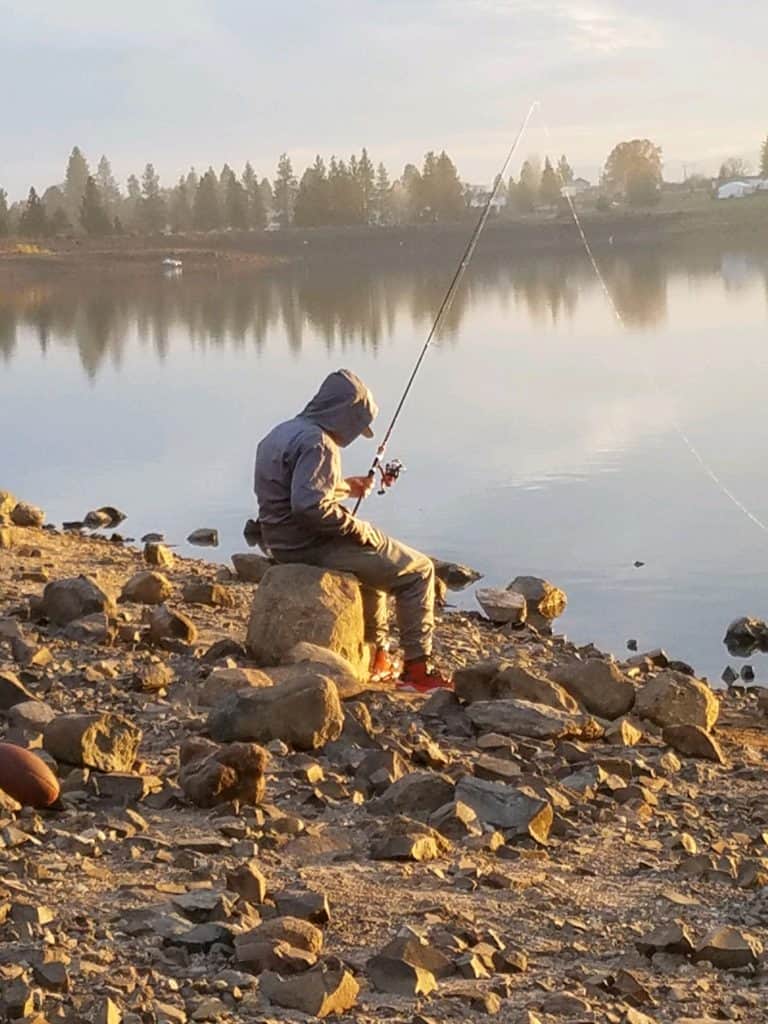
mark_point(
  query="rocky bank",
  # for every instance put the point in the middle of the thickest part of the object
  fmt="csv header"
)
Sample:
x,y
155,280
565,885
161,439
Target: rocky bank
x,y
248,831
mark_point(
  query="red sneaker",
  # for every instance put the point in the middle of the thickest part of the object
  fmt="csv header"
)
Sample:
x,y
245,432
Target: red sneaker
x,y
386,667
421,677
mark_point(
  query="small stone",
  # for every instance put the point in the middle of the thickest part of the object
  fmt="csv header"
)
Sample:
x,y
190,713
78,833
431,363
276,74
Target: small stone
x,y
158,554
248,881
68,599
250,566
498,804
675,699
13,691
292,930
729,949
668,938
165,623
212,594
309,906
305,713
204,537
417,793
599,685
147,587
23,514
502,607
107,742
223,682
326,989
211,774
93,628
543,598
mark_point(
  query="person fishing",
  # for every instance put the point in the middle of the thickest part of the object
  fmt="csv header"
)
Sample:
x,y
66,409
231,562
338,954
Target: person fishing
x,y
300,491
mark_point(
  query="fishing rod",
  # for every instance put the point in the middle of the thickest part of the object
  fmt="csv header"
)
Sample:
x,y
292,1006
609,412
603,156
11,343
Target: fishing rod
x,y
391,471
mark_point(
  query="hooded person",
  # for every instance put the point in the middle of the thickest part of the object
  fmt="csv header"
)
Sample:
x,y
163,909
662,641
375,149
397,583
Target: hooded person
x,y
300,490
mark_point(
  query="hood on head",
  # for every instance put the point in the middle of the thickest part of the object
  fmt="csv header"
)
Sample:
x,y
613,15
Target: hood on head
x,y
343,407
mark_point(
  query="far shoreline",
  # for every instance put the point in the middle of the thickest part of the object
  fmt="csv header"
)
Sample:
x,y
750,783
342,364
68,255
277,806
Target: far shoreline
x,y
738,222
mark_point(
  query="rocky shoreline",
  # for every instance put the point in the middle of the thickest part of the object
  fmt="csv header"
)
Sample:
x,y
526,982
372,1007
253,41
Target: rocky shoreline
x,y
247,831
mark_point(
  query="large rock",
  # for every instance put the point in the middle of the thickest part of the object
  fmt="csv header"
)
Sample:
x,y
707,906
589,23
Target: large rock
x,y
65,600
503,806
147,587
599,685
676,699
497,680
305,713
303,603
106,742
213,775
502,606
223,682
523,718
542,597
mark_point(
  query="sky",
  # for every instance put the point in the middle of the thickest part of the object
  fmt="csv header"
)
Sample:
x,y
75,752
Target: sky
x,y
186,83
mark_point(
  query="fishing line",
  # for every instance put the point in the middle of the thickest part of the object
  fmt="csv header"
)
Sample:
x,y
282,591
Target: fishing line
x,y
652,379
447,302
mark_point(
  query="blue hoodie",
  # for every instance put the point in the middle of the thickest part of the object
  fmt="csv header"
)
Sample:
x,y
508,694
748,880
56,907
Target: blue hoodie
x,y
298,468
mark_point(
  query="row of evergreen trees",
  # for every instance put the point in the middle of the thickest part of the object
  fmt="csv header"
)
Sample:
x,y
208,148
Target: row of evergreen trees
x,y
338,192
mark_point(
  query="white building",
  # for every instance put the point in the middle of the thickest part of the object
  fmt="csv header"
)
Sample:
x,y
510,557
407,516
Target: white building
x,y
741,188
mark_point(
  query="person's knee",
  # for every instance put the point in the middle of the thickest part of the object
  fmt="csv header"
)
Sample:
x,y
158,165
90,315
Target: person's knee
x,y
425,568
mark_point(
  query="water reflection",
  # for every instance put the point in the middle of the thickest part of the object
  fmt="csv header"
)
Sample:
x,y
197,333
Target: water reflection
x,y
342,306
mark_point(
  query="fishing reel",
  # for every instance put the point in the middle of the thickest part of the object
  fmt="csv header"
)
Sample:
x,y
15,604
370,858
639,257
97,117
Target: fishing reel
x,y
390,474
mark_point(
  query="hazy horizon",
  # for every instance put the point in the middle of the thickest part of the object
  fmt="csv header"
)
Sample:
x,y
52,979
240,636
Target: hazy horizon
x,y
193,83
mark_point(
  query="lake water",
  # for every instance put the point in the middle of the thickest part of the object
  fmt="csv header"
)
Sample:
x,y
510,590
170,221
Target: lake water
x,y
540,437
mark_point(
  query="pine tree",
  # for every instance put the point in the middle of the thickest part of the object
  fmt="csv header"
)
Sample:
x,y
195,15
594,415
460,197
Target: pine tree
x,y
5,219
257,215
207,214
313,206
110,193
180,207
382,196
284,190
764,159
33,222
235,203
411,185
549,190
152,208
564,171
132,203
366,178
93,217
527,192
267,197
74,182
58,222
447,200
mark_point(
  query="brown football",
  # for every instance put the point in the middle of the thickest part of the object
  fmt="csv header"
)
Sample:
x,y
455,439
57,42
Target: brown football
x,y
26,777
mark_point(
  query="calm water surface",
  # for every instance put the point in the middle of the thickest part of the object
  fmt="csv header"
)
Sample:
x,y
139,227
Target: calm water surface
x,y
540,438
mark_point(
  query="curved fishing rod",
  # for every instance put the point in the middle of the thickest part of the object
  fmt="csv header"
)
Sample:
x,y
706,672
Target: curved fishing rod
x,y
445,305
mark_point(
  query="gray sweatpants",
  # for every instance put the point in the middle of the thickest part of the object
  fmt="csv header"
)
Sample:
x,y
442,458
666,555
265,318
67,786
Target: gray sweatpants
x,y
389,568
